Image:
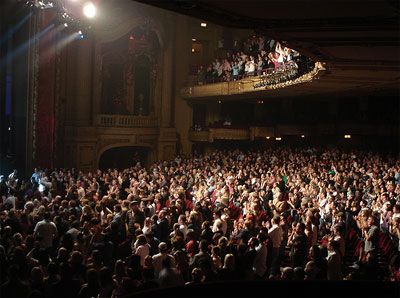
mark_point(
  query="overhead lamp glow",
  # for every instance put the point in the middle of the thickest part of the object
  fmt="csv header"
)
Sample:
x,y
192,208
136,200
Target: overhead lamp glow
x,y
89,10
193,39
267,138
278,139
303,136
347,136
192,50
203,25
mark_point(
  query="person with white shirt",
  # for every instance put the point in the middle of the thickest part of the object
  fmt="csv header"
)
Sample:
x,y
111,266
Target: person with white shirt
x,y
251,67
141,248
45,231
334,271
219,223
260,260
160,257
275,233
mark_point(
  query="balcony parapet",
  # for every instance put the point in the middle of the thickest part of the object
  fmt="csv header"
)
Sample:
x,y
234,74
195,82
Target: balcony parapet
x,y
249,84
219,134
253,132
105,120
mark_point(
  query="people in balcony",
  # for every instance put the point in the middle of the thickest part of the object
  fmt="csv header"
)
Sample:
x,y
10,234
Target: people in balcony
x,y
255,56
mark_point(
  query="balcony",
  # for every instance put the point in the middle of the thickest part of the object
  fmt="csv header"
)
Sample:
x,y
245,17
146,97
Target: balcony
x,y
105,120
212,134
253,132
270,81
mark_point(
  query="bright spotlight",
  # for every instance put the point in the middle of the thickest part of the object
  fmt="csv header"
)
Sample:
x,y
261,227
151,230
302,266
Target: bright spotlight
x,y
89,10
65,25
203,25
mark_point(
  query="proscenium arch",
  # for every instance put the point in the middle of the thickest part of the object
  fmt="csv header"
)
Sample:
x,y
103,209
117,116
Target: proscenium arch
x,y
150,148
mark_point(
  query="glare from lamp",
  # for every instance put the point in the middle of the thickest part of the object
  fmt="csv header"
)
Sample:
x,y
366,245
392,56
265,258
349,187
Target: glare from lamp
x,y
278,139
267,138
303,136
89,10
347,136
203,25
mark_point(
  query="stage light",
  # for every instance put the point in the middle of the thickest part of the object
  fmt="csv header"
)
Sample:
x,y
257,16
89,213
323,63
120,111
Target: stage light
x,y
203,25
193,39
303,136
267,138
89,10
192,50
347,136
278,139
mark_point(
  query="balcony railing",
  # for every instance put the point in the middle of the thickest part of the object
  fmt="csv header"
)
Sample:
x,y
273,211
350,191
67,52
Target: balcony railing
x,y
253,132
125,121
269,81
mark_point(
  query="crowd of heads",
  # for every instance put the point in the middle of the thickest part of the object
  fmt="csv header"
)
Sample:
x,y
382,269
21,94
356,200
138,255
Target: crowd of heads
x,y
277,214
255,56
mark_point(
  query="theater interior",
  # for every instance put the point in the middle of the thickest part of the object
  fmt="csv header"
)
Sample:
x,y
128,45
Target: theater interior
x,y
107,84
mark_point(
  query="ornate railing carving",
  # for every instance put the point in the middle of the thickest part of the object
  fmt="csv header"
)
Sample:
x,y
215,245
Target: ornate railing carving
x,y
249,84
125,121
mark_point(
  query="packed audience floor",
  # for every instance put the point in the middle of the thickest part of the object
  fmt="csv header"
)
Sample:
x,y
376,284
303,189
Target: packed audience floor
x,y
282,214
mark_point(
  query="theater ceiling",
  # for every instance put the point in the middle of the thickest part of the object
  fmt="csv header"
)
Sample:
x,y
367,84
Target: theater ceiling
x,y
357,39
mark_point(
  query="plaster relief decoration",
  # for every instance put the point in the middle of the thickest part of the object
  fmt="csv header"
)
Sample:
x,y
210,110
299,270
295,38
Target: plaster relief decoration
x,y
131,44
129,72
86,156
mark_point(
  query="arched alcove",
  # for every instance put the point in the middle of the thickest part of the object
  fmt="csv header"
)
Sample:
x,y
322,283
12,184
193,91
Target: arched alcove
x,y
122,157
142,83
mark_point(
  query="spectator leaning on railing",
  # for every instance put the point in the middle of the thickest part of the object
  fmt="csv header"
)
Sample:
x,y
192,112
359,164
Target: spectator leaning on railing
x,y
255,56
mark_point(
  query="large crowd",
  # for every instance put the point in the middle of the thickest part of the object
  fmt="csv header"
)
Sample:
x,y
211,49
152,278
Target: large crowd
x,y
255,56
282,214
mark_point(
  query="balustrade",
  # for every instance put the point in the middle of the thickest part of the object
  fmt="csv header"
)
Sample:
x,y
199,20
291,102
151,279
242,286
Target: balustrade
x,y
125,121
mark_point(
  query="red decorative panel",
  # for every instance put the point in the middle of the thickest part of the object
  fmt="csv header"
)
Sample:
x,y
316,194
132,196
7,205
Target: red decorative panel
x,y
45,125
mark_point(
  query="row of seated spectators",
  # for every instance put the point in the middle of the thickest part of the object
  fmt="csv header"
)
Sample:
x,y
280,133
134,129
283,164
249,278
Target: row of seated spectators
x,y
255,56
277,214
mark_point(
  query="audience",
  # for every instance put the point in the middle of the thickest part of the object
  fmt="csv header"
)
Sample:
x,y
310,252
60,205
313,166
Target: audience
x,y
255,56
288,214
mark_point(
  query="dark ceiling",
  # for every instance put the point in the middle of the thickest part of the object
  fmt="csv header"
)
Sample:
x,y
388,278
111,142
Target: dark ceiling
x,y
357,39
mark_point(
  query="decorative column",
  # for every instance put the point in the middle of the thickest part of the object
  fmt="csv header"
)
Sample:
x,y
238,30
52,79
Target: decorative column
x,y
46,89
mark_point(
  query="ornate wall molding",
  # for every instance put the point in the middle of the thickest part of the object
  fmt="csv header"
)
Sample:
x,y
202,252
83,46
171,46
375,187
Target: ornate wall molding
x,y
120,19
33,75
